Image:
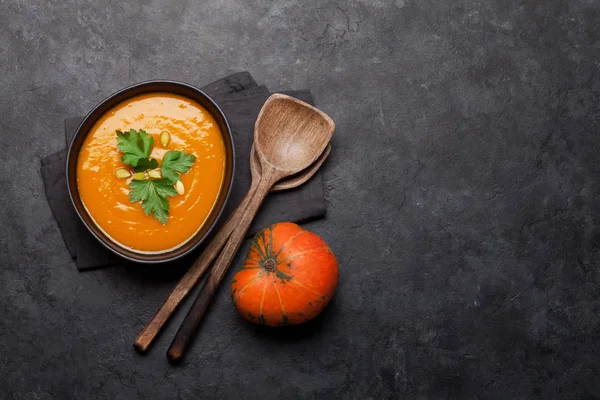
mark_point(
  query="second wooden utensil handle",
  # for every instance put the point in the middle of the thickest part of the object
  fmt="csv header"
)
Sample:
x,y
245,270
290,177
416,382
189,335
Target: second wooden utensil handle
x,y
189,327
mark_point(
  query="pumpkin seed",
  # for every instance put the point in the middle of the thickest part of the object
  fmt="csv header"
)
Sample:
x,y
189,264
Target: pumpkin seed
x,y
179,187
138,176
123,173
165,138
154,174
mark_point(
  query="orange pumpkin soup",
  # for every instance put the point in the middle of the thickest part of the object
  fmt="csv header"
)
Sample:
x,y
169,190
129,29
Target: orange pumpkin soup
x,y
106,197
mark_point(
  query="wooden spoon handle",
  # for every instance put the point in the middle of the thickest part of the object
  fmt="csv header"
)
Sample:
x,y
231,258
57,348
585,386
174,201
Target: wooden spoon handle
x,y
189,327
188,280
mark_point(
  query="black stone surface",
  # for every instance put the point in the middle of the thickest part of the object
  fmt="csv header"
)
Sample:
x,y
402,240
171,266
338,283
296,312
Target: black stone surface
x,y
463,193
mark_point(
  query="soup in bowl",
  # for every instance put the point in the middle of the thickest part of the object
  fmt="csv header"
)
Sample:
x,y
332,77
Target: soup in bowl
x,y
150,169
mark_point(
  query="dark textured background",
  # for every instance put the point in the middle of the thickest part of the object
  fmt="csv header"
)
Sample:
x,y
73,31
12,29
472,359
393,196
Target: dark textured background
x,y
463,192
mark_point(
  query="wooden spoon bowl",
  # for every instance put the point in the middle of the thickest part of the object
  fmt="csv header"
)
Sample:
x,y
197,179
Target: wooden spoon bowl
x,y
289,135
292,181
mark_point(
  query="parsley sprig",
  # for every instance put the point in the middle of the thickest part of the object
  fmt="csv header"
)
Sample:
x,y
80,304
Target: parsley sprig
x,y
153,195
136,147
174,162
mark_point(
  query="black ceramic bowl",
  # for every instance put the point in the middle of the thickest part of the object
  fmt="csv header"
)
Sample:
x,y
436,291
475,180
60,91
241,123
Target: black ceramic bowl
x,y
151,87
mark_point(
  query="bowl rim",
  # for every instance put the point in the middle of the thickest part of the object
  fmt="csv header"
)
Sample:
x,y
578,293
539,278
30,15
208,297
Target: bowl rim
x,y
158,258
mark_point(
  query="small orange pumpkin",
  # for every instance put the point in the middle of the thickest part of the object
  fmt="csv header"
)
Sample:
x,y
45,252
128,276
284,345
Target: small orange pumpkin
x,y
288,277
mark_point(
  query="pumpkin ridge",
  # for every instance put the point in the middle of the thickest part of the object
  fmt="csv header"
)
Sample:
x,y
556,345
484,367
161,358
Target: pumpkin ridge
x,y
309,289
251,259
256,244
249,263
271,241
261,316
283,313
247,286
244,268
263,243
282,275
303,253
254,247
294,236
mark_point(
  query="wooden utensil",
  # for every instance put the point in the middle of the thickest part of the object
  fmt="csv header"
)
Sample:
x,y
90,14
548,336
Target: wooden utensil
x,y
292,181
191,277
289,136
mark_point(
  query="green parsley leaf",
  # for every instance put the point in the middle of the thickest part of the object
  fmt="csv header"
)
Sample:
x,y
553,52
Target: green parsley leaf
x,y
174,162
134,145
153,195
145,164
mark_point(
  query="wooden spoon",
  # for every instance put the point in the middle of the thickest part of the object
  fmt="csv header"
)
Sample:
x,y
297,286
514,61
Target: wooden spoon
x,y
289,136
191,277
292,181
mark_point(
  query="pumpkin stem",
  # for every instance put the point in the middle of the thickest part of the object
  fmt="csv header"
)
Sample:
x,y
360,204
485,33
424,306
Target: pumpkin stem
x,y
270,265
